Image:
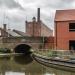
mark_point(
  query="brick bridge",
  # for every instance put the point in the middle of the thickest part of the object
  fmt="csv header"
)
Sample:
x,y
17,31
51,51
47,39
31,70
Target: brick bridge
x,y
13,42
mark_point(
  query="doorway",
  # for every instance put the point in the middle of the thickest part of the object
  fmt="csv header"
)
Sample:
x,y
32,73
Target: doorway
x,y
72,45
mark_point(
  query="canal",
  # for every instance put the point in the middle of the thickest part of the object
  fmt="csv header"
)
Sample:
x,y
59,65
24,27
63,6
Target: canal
x,y
25,65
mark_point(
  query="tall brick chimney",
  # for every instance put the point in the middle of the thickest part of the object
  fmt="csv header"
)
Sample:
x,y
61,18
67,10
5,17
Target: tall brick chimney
x,y
3,31
26,27
38,15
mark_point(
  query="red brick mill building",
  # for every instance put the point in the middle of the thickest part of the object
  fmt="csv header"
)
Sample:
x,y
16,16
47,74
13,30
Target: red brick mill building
x,y
36,28
65,29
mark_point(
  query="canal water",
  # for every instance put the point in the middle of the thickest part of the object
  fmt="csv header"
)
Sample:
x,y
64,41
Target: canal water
x,y
25,65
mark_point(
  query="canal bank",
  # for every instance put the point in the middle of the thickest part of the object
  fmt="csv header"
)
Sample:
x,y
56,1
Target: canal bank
x,y
56,62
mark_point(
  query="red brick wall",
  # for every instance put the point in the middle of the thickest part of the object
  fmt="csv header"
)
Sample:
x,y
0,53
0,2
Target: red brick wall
x,y
3,33
62,35
49,43
38,29
33,28
29,28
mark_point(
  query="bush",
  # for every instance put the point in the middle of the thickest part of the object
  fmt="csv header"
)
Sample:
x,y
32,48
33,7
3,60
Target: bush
x,y
5,50
52,54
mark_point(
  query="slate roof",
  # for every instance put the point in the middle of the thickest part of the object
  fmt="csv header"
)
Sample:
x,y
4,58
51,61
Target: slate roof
x,y
12,33
20,33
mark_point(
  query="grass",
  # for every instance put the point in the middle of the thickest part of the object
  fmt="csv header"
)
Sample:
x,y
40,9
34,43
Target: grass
x,y
51,53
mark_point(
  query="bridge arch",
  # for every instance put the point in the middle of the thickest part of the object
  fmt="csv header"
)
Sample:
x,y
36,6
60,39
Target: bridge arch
x,y
22,48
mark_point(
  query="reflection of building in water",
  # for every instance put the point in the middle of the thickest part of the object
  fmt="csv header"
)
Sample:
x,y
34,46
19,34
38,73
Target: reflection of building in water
x,y
15,67
12,67
15,73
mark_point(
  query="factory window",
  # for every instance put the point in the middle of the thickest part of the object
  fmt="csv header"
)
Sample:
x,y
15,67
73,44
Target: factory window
x,y
71,26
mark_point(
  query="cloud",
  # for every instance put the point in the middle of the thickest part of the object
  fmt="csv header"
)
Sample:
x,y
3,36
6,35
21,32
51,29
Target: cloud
x,y
56,4
18,10
10,4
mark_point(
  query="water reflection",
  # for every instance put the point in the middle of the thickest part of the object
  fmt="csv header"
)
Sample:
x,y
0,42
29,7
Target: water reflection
x,y
17,65
23,59
14,73
54,71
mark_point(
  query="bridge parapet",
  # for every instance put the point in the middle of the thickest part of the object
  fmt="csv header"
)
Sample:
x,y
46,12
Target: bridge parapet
x,y
22,40
12,42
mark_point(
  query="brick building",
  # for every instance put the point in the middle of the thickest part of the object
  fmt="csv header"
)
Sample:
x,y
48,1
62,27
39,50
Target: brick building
x,y
4,32
34,29
49,43
65,29
37,27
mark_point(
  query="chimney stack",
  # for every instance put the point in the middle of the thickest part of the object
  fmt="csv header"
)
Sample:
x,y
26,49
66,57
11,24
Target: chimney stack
x,y
4,26
38,15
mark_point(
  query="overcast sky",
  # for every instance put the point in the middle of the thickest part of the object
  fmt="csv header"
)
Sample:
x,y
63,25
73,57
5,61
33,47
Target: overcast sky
x,y
15,12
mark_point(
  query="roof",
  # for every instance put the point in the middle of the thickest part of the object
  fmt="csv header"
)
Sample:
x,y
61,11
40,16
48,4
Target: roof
x,y
42,24
46,26
12,33
20,33
65,15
